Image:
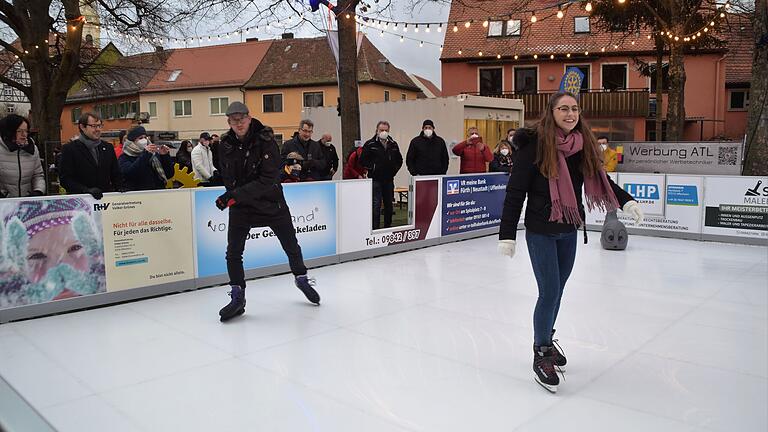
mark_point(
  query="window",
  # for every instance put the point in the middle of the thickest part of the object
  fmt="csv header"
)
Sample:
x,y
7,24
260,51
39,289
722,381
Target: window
x,y
134,107
182,108
495,28
504,28
585,70
490,81
614,76
152,108
313,99
649,70
513,28
7,91
273,103
526,81
219,105
174,75
739,100
386,95
122,107
581,24
76,114
10,108
403,96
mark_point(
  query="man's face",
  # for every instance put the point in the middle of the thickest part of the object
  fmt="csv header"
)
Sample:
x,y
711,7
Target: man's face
x,y
215,138
428,128
92,129
305,133
472,131
205,142
382,128
602,142
239,123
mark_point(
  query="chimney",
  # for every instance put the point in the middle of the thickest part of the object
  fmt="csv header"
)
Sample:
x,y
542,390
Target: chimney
x,y
287,36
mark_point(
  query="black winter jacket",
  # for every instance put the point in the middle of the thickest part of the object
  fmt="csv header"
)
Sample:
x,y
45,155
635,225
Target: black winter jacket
x,y
78,171
383,164
314,158
251,172
526,180
427,156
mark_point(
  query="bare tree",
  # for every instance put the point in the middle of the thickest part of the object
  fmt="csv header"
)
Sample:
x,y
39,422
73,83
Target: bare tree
x,y
756,160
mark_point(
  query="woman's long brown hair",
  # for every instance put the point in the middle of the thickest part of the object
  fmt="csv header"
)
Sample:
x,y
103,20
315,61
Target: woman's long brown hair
x,y
546,154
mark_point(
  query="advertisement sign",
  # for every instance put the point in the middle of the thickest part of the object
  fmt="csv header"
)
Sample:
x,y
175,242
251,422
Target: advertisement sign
x,y
722,158
355,211
472,202
313,210
50,249
736,206
648,190
147,238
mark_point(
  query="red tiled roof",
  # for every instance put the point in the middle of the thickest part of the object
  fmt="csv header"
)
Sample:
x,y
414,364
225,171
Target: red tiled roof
x,y
212,66
429,85
549,35
741,45
287,64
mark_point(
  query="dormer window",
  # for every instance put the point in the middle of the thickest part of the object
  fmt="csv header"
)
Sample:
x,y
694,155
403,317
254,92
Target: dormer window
x,y
175,74
581,24
504,28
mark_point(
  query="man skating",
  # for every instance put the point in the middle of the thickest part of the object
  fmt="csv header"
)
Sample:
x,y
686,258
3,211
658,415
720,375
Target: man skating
x,y
250,165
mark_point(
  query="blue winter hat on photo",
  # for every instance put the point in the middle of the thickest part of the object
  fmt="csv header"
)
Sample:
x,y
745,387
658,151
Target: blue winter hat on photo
x,y
136,132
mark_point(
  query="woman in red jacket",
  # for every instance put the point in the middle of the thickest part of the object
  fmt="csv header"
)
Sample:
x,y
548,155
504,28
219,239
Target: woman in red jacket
x,y
353,169
473,152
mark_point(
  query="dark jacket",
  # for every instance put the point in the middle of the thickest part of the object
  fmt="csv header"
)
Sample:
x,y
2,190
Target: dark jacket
x,y
501,163
382,163
184,160
251,172
427,156
139,174
526,179
311,151
78,170
473,158
331,159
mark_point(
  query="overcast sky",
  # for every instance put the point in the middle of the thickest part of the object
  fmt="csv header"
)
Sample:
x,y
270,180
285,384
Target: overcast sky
x,y
407,55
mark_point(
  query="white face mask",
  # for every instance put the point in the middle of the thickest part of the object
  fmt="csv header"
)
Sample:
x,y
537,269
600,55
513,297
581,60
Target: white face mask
x,y
603,146
427,133
327,143
474,135
383,135
504,152
143,142
509,138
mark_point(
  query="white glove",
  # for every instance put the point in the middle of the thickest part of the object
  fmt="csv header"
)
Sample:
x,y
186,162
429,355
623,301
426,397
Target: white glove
x,y
507,247
634,211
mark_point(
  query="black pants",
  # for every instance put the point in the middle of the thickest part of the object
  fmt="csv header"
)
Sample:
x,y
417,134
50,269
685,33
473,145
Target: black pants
x,y
237,233
383,192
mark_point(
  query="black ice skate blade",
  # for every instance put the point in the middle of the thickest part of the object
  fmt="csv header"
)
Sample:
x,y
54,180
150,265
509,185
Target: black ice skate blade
x,y
550,388
225,319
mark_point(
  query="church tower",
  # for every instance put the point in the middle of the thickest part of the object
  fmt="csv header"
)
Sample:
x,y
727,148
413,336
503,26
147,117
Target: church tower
x,y
91,29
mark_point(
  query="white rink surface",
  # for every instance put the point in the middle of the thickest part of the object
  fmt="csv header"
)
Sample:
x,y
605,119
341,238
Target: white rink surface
x,y
669,335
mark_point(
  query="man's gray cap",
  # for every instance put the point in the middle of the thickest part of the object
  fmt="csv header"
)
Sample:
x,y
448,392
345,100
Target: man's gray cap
x,y
237,108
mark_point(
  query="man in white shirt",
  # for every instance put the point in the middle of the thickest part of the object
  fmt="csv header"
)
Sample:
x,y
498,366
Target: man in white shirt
x,y
202,160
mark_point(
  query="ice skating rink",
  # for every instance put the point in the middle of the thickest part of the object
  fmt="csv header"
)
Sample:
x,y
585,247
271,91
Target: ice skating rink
x,y
669,335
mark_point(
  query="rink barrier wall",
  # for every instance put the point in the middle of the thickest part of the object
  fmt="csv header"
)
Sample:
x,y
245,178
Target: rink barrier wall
x,y
189,229
17,414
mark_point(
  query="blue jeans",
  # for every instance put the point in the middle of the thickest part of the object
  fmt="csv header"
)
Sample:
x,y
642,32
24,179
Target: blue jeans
x,y
552,257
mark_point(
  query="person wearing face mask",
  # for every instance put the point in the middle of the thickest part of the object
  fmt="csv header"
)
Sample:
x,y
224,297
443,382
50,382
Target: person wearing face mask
x,y
21,172
381,155
502,158
330,155
184,155
610,156
427,153
315,164
473,152
293,169
558,159
145,166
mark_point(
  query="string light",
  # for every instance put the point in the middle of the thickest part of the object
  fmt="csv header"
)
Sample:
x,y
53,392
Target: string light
x,y
485,23
455,28
498,56
533,18
559,13
467,24
516,57
535,56
440,28
459,52
588,7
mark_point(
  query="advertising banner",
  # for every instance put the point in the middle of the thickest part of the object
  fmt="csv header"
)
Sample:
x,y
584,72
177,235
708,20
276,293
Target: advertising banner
x,y
648,190
355,204
147,238
313,210
736,206
50,249
472,202
713,158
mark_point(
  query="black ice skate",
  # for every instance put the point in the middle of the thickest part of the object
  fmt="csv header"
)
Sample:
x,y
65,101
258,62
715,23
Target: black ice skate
x,y
544,368
236,305
560,360
306,285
